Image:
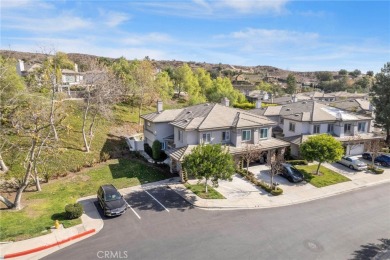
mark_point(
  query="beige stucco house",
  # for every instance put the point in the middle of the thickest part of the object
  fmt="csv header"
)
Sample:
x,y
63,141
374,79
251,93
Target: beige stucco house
x,y
180,130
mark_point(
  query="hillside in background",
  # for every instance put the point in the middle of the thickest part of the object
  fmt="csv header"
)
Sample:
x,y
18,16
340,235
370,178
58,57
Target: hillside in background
x,y
251,74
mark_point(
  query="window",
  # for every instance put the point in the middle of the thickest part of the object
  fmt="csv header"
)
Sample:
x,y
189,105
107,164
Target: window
x,y
316,129
361,127
330,128
292,127
347,128
163,146
180,135
281,120
225,136
148,123
263,133
246,135
206,138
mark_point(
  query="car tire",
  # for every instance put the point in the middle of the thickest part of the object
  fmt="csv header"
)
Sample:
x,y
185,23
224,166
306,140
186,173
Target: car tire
x,y
384,164
351,167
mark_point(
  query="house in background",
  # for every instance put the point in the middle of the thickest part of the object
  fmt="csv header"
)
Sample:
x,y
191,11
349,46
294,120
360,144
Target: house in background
x,y
180,130
298,120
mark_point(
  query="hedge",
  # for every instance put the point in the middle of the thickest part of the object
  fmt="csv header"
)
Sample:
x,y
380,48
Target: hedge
x,y
73,211
297,162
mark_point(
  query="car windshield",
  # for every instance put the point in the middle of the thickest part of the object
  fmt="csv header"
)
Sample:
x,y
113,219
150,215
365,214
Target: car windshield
x,y
110,196
294,172
357,162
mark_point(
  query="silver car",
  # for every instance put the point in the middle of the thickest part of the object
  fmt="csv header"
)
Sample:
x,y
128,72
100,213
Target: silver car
x,y
353,163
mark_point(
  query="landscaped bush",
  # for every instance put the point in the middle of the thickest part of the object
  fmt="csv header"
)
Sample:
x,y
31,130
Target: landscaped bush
x,y
244,106
156,149
297,162
73,211
375,170
250,176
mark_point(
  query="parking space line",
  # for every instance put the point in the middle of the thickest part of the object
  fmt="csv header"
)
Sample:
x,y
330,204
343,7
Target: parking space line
x,y
156,200
133,210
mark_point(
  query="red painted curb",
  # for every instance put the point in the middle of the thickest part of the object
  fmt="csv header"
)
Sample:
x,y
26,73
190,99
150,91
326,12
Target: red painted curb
x,y
34,250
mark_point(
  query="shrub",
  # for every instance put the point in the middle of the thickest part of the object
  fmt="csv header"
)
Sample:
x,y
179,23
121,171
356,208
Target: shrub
x,y
73,211
244,106
375,170
277,192
104,157
297,162
156,150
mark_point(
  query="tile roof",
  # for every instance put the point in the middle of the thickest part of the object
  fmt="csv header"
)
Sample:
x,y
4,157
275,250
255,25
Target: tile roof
x,y
208,116
263,145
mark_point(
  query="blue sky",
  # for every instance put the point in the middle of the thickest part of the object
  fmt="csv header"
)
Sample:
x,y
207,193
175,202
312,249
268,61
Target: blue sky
x,y
297,35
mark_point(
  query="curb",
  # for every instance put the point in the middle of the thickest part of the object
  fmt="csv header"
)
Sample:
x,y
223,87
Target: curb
x,y
37,249
280,205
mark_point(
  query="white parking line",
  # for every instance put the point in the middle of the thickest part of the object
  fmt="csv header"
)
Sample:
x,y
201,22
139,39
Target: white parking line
x,y
156,200
133,210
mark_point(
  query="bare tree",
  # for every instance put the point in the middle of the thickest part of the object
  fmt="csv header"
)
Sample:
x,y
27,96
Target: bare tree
x,y
250,154
101,92
276,168
375,147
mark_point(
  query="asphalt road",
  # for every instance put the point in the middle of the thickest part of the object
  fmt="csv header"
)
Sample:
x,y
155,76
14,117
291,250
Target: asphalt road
x,y
340,227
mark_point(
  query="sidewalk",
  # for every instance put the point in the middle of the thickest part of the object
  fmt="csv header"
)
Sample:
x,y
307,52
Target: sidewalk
x,y
244,195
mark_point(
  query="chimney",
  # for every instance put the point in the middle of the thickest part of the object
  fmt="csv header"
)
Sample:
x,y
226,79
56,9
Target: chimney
x,y
76,67
312,97
159,106
258,103
225,102
20,67
265,97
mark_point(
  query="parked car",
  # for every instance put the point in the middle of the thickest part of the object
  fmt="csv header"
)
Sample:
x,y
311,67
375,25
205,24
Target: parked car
x,y
111,201
291,173
383,159
353,163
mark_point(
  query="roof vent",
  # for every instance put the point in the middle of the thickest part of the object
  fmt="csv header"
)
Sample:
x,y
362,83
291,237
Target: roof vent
x,y
288,109
207,104
296,115
304,102
186,120
189,112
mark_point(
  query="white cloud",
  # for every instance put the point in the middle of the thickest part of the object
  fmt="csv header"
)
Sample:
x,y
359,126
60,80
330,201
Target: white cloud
x,y
17,4
150,38
250,6
59,23
113,19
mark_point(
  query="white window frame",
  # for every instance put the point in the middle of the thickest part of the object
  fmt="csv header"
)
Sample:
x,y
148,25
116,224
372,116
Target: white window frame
x,y
227,136
247,131
266,133
360,130
180,135
291,127
206,140
318,127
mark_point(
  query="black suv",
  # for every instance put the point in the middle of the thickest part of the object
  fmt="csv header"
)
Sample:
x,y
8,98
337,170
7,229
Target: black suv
x,y
111,201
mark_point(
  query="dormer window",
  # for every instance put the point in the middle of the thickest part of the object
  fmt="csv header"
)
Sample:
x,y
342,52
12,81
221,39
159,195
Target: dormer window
x,y
361,127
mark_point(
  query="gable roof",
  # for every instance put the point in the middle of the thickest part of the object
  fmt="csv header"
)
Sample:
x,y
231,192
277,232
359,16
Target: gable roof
x,y
208,116
309,111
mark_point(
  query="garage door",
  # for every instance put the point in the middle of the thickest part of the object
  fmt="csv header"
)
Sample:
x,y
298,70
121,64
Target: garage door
x,y
355,149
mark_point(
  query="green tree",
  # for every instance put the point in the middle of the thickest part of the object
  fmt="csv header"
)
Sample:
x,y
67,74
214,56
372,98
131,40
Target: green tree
x,y
370,73
355,73
265,86
222,87
343,72
204,80
164,86
380,94
321,148
324,75
156,149
291,84
210,161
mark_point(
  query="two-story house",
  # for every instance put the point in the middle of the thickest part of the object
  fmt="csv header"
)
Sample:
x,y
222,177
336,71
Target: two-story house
x,y
299,120
180,130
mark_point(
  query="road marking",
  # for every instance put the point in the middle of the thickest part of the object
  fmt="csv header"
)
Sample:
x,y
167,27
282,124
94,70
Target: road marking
x,y
133,210
156,200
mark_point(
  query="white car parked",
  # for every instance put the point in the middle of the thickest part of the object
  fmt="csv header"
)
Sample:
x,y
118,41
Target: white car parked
x,y
353,163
